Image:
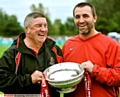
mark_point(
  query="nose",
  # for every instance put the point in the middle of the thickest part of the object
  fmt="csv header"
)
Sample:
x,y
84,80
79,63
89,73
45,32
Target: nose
x,y
81,19
43,28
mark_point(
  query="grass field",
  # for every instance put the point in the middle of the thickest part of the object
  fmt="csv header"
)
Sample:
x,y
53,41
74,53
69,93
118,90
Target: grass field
x,y
2,49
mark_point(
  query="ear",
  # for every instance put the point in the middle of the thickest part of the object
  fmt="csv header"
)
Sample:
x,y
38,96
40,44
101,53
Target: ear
x,y
95,18
27,30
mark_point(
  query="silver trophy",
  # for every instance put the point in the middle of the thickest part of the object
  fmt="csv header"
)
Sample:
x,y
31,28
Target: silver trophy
x,y
64,76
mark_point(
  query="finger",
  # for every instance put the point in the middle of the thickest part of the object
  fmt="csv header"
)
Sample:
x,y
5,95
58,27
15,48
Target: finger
x,y
40,76
39,80
84,63
82,66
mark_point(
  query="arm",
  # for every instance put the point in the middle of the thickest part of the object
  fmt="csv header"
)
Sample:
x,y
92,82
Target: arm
x,y
9,81
109,75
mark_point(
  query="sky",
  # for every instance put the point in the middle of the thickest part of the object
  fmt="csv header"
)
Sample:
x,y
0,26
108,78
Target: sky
x,y
57,8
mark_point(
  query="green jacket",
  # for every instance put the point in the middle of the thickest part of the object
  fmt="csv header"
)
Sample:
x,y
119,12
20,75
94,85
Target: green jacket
x,y
20,83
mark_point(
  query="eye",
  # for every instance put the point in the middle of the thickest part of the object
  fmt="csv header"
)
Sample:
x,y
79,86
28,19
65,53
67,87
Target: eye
x,y
45,25
41,25
77,16
85,15
38,25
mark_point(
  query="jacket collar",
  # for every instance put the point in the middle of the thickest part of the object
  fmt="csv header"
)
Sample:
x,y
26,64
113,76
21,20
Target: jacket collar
x,y
20,45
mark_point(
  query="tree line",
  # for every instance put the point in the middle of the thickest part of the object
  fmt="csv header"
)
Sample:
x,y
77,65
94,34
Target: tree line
x,y
9,26
108,20
108,12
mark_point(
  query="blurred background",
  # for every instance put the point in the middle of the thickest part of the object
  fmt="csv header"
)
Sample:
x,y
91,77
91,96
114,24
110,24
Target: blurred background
x,y
59,16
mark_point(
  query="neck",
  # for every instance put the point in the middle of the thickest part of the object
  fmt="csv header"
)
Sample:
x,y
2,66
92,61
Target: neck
x,y
92,33
32,45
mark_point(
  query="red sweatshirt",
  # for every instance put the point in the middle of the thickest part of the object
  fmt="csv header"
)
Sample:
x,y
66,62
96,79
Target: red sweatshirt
x,y
104,53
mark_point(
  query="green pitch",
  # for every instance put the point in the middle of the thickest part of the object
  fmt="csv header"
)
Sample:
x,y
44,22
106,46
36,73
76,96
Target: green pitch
x,y
2,49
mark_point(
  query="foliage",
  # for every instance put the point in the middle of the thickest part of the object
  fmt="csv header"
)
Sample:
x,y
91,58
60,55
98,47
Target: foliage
x,y
70,26
9,26
108,15
108,20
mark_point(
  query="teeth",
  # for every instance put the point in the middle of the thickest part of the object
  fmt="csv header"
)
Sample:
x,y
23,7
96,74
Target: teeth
x,y
82,26
41,34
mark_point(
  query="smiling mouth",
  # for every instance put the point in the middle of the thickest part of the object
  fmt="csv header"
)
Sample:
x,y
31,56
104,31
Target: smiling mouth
x,y
82,27
40,34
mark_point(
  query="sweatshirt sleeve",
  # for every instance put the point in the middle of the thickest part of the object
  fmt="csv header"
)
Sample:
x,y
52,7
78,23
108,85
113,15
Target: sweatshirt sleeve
x,y
9,81
109,75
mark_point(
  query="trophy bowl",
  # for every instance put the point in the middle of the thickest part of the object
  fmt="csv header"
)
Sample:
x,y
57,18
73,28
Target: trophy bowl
x,y
64,76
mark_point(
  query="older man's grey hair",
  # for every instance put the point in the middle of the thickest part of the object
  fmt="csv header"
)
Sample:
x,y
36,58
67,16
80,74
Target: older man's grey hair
x,y
30,17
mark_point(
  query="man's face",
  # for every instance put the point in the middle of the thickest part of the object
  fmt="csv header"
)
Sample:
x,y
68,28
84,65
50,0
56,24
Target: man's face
x,y
84,19
37,30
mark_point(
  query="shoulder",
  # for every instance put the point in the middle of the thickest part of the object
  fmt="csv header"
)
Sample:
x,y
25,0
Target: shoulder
x,y
9,53
50,42
107,40
11,49
73,39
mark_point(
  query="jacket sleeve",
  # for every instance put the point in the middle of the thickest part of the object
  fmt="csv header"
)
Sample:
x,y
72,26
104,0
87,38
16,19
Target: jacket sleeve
x,y
9,81
109,75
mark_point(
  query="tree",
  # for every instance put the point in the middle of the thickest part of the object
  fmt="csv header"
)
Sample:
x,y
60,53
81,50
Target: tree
x,y
56,26
2,20
108,15
59,28
70,26
12,27
9,26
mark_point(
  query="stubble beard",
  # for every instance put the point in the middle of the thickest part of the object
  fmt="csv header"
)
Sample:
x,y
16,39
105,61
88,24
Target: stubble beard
x,y
86,32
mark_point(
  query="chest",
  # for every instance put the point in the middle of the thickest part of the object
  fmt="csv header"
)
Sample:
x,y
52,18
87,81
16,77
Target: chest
x,y
85,51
